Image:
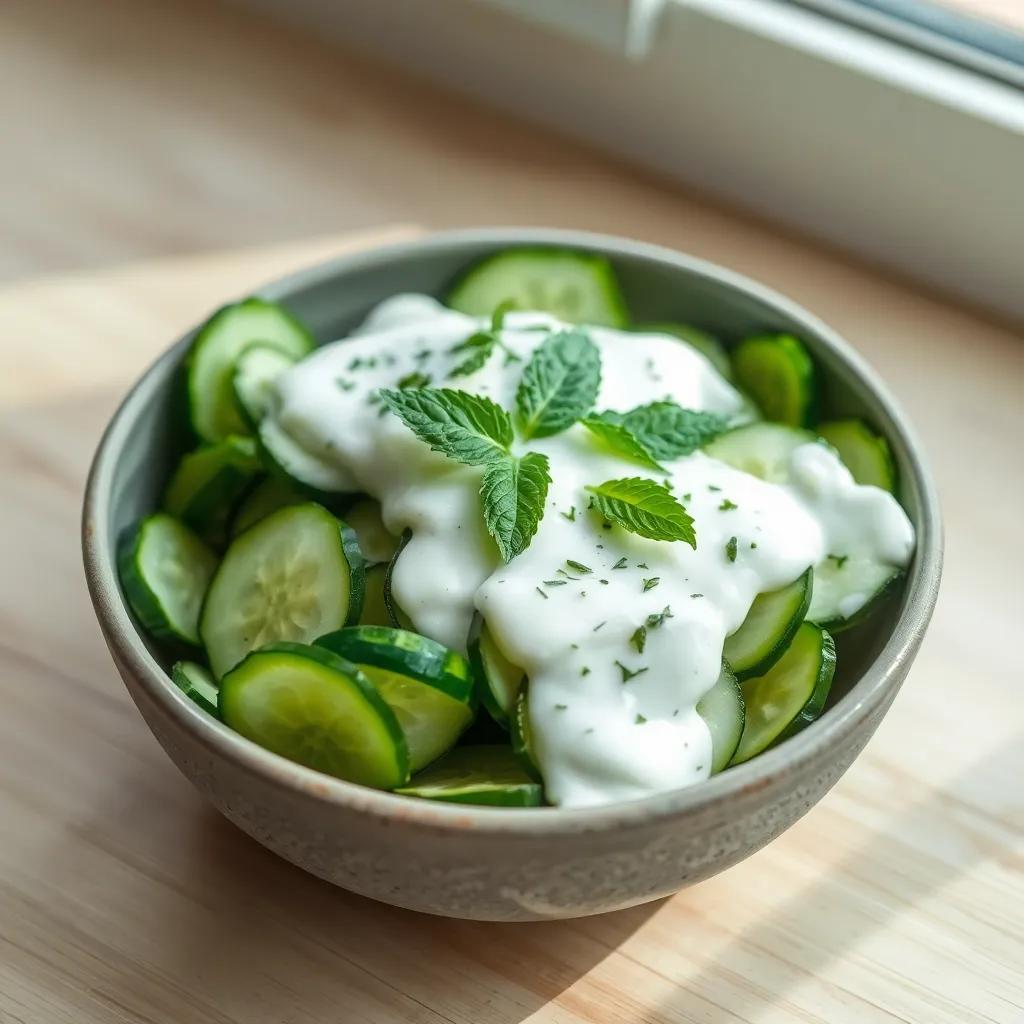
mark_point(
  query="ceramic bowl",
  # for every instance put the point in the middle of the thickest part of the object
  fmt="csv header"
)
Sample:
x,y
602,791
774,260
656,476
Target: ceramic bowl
x,y
495,863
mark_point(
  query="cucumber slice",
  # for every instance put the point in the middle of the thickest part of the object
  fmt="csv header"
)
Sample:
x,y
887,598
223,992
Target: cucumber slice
x,y
211,360
776,371
761,449
769,627
790,695
165,570
706,344
209,483
722,710
293,576
305,471
313,707
376,544
576,287
490,775
847,590
396,614
375,610
865,454
269,495
257,367
498,680
197,684
427,686
522,735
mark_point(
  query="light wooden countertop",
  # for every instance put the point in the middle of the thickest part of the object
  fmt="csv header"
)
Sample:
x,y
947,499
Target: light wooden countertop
x,y
124,898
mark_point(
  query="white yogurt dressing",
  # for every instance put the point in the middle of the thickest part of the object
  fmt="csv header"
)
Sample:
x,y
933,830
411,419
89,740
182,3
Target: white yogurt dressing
x,y
601,733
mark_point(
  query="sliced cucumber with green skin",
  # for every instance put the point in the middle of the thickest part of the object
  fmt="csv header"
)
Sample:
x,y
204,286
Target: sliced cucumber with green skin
x,y
576,287
864,453
490,775
790,695
777,372
294,576
847,590
706,344
761,449
209,483
498,680
428,686
211,360
305,471
165,570
770,625
521,734
375,542
396,614
269,495
375,611
311,706
257,367
722,710
197,684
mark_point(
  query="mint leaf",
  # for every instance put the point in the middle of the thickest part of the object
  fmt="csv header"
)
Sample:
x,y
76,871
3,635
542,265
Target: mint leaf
x,y
645,508
619,438
559,385
667,430
467,428
481,344
513,494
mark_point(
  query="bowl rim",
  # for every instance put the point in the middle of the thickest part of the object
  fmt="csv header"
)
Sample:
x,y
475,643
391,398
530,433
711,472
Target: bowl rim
x,y
867,696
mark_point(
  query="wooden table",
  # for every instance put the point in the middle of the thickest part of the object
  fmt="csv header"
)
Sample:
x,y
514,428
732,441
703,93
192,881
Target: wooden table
x,y
124,898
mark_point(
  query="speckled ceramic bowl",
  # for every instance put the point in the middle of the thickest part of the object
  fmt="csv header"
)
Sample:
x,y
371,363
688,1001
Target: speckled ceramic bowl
x,y
494,863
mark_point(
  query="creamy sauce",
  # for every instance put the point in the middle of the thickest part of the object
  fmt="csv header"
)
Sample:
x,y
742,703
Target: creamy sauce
x,y
609,722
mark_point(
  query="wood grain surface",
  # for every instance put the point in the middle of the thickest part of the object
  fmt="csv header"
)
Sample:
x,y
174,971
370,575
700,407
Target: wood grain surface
x,y
123,898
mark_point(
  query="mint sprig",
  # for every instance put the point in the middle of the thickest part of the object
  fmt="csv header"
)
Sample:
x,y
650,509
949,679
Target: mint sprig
x,y
482,344
467,428
645,508
620,439
559,385
513,494
666,430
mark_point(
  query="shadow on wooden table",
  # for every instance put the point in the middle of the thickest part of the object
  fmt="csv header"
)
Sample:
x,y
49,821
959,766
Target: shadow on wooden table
x,y
829,920
424,968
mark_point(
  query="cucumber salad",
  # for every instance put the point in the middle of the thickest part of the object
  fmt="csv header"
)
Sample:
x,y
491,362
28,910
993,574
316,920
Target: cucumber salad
x,y
512,548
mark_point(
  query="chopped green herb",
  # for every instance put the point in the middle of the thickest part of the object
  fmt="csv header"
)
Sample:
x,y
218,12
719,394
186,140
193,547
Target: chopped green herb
x,y
639,639
621,563
688,496
345,384
414,380
605,582
575,647
642,565
730,549
561,707
840,560
712,487
570,515
541,592
599,625
584,671
578,566
753,545
554,583
696,595
562,572
629,673
639,720
651,583
727,505
655,619
587,732
422,355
